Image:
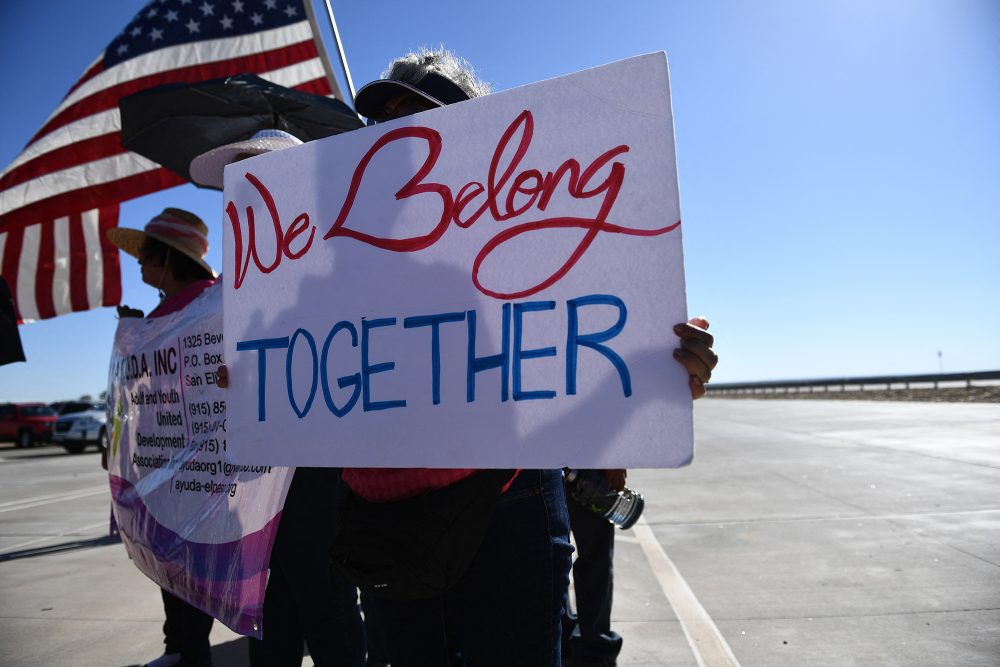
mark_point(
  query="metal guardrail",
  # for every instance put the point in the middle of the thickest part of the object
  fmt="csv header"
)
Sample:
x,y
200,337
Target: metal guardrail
x,y
841,384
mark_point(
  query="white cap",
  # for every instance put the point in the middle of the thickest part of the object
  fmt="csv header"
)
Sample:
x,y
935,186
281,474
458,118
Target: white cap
x,y
206,169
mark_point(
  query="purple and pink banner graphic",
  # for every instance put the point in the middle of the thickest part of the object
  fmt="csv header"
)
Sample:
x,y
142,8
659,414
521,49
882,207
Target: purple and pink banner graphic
x,y
196,524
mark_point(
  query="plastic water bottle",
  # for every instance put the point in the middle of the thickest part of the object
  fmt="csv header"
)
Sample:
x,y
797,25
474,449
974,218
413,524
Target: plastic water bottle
x,y
588,488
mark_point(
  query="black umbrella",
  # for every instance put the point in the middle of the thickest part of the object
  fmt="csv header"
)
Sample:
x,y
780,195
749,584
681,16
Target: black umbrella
x,y
175,123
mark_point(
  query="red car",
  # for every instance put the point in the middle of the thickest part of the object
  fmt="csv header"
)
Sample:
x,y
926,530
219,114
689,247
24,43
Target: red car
x,y
26,423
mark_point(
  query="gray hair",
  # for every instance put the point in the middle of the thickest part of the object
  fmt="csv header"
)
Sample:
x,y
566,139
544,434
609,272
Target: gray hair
x,y
414,66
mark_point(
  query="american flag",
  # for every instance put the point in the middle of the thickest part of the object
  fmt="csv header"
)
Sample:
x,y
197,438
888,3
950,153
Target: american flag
x,y
60,195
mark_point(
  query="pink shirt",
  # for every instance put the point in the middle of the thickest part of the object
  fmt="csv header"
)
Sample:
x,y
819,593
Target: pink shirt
x,y
380,485
181,297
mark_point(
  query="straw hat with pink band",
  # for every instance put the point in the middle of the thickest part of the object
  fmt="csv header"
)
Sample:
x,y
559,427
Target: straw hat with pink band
x,y
179,229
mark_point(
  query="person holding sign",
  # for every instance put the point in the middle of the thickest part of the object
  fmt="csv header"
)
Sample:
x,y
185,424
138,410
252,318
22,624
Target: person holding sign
x,y
464,564
502,604
171,252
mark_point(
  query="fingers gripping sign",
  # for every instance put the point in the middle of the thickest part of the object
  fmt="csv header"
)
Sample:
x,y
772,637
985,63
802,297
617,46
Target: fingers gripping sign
x,y
696,354
222,377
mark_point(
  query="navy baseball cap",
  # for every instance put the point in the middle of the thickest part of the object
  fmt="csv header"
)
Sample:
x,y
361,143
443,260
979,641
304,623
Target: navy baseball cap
x,y
436,89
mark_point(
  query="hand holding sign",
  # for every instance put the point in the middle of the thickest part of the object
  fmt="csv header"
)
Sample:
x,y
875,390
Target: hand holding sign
x,y
696,353
125,311
222,377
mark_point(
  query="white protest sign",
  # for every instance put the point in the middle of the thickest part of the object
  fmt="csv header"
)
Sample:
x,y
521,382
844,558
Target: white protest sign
x,y
489,284
196,524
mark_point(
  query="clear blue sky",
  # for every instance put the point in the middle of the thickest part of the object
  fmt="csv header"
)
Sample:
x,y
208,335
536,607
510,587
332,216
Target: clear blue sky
x,y
839,163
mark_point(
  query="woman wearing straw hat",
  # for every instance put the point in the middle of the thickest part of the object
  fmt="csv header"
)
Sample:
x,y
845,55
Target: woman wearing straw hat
x,y
171,252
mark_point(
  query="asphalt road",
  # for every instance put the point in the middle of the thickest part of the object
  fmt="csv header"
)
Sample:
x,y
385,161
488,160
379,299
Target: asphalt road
x,y
805,533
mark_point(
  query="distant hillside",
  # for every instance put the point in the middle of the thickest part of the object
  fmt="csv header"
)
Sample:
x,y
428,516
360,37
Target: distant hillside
x,y
987,394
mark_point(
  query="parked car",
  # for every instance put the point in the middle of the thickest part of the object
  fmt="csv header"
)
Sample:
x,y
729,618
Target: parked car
x,y
26,423
68,407
85,425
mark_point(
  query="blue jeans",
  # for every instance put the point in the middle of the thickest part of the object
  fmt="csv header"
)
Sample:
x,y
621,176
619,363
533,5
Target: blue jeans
x,y
506,610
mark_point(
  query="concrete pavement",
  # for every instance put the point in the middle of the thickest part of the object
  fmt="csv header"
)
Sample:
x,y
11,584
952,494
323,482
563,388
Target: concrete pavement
x,y
805,533
839,533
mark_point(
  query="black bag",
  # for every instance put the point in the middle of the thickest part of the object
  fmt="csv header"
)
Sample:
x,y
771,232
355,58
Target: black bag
x,y
418,547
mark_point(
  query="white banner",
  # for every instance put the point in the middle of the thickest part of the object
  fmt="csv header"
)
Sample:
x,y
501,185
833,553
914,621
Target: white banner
x,y
489,284
196,524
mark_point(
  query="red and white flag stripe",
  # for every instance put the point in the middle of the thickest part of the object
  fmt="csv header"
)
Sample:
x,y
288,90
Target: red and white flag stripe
x,y
62,265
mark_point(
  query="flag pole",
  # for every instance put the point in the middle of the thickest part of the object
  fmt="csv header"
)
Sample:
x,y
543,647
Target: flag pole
x,y
340,50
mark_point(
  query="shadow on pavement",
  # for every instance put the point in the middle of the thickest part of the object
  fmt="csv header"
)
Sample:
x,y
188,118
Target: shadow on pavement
x,y
234,653
77,545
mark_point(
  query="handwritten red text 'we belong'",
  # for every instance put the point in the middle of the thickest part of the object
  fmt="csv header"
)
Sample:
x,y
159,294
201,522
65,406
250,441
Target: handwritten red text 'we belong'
x,y
505,196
